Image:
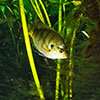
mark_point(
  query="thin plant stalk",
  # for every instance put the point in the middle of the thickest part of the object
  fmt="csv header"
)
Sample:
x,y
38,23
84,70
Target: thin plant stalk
x,y
45,12
60,17
70,58
29,51
57,80
10,10
58,64
37,12
64,28
64,34
70,66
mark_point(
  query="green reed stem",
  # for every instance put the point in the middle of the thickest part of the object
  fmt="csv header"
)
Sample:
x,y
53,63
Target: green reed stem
x,y
70,57
58,64
10,9
45,12
37,12
64,28
60,17
57,80
29,51
70,66
64,33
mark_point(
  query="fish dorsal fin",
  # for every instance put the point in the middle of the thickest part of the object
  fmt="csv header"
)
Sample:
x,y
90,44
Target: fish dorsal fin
x,y
39,25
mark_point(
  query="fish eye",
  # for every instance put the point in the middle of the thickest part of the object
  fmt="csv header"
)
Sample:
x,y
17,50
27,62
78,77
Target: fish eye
x,y
52,46
61,51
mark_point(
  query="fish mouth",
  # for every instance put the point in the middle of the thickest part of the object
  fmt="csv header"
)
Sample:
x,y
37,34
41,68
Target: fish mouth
x,y
65,55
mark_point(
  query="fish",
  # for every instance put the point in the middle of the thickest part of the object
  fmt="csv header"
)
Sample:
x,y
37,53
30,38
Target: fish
x,y
47,41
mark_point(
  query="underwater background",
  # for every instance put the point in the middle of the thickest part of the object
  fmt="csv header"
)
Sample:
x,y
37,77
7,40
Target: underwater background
x,y
23,77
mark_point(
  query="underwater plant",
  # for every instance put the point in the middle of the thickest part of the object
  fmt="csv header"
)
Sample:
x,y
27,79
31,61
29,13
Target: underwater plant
x,y
31,32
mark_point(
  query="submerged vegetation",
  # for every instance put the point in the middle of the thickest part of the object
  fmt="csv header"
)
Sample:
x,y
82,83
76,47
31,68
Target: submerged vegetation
x,y
25,75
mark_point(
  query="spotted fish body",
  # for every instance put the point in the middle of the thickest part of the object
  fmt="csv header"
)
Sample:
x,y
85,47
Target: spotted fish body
x,y
47,41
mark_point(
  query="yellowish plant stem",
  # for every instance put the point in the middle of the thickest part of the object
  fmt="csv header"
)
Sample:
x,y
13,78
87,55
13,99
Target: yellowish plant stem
x,y
70,57
64,27
45,12
57,80
58,64
29,51
64,33
70,65
39,11
60,17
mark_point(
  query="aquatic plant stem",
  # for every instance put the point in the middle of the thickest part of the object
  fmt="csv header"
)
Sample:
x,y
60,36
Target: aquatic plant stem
x,y
37,12
58,64
64,28
60,17
45,12
64,33
70,58
70,67
9,9
29,51
57,80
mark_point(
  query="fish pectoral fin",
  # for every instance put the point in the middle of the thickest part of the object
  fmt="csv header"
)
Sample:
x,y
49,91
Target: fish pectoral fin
x,y
45,48
39,53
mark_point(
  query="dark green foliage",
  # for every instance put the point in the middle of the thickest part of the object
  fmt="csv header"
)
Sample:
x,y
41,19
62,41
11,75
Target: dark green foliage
x,y
13,77
86,83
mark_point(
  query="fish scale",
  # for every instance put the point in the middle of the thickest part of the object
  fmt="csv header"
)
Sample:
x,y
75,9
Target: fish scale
x,y
41,42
